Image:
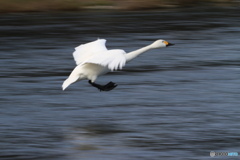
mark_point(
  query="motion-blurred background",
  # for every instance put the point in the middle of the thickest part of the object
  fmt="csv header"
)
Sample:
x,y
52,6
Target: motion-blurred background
x,y
176,103
60,5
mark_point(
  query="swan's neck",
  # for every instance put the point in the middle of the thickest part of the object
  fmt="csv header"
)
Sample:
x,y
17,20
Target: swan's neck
x,y
134,54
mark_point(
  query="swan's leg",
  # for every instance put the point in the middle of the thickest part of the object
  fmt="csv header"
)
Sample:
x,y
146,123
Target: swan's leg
x,y
107,87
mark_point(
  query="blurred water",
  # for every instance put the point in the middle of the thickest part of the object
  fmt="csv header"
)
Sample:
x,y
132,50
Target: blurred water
x,y
178,103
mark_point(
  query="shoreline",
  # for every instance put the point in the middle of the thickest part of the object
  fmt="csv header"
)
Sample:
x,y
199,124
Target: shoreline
x,y
13,6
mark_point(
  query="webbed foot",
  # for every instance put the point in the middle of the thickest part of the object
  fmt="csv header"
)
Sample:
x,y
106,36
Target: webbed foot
x,y
108,87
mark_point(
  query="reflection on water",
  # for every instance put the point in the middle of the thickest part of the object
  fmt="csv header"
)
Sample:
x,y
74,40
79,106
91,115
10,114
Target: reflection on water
x,y
179,102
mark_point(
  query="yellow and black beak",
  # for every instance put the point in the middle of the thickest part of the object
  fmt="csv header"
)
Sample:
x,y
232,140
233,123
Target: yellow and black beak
x,y
168,44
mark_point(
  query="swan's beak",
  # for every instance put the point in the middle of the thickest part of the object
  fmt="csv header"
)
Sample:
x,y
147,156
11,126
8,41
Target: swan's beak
x,y
168,44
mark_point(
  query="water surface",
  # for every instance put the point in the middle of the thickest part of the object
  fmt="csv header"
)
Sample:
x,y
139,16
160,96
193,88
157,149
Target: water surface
x,y
177,103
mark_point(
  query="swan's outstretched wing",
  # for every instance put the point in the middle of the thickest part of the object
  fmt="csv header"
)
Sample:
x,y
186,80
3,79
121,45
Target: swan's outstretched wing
x,y
86,51
97,53
112,59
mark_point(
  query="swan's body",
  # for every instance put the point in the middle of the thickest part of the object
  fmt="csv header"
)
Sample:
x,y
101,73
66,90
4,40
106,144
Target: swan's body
x,y
94,59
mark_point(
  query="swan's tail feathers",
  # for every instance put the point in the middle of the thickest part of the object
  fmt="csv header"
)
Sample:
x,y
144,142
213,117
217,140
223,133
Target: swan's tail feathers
x,y
65,84
69,81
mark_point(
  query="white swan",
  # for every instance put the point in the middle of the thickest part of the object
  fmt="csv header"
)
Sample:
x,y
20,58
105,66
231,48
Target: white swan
x,y
94,59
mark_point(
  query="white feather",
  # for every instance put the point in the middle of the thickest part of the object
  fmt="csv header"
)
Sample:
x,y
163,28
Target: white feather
x,y
112,59
97,53
88,50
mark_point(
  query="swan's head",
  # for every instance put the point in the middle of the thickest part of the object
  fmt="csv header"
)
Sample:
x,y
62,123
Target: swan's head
x,y
160,44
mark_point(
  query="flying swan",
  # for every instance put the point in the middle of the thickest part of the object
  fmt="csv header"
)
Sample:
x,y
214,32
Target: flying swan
x,y
94,59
